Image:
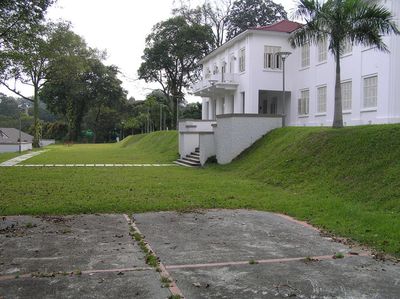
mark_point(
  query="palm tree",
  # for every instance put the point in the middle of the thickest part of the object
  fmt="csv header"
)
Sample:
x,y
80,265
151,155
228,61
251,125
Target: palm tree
x,y
360,22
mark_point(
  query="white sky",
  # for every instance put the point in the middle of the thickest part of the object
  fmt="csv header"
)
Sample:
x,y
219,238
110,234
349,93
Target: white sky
x,y
119,27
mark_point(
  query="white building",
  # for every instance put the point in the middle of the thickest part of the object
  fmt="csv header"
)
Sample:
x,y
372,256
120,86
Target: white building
x,y
242,94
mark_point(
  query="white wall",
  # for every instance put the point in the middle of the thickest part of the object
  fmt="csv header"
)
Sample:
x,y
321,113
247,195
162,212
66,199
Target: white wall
x,y
10,148
188,143
207,147
46,142
189,134
235,133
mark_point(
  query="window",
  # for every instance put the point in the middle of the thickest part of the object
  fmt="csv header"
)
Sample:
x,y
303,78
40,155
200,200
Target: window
x,y
347,47
272,60
370,92
321,99
242,60
305,55
232,64
304,102
207,73
322,50
346,95
215,69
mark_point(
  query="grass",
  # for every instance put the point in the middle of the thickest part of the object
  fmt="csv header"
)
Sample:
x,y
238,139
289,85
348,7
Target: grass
x,y
344,181
8,156
158,147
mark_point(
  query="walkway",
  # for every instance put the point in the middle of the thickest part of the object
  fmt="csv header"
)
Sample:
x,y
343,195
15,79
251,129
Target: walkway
x,y
19,159
208,254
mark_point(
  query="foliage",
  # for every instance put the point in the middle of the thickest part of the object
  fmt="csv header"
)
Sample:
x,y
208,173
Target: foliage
x,y
192,111
356,21
79,83
171,55
27,58
54,130
246,14
19,17
212,13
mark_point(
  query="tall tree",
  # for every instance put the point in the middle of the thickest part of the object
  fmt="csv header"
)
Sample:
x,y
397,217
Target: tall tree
x,y
171,55
211,13
359,22
252,13
65,85
26,60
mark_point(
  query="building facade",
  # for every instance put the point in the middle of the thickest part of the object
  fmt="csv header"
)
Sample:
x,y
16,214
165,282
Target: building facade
x,y
245,76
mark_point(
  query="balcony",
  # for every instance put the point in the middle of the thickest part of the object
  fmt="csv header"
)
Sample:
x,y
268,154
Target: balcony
x,y
214,85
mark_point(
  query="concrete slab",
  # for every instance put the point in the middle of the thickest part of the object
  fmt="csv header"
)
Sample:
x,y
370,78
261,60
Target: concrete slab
x,y
223,236
209,255
51,244
355,277
143,284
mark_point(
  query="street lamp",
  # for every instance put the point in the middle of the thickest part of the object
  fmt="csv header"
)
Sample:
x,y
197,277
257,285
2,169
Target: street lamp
x,y
283,56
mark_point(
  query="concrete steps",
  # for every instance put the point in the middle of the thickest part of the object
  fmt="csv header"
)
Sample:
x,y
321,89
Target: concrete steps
x,y
191,160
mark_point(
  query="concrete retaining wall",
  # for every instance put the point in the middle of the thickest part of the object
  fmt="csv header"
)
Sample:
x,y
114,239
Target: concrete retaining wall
x,y
187,143
236,132
207,147
189,134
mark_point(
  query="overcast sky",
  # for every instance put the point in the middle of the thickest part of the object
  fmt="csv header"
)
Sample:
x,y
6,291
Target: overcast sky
x,y
120,27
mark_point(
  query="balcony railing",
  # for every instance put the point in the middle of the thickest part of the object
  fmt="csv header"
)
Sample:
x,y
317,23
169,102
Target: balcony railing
x,y
220,80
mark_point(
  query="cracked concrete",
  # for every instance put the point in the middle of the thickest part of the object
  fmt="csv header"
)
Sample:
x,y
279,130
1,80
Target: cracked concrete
x,y
207,254
241,235
57,246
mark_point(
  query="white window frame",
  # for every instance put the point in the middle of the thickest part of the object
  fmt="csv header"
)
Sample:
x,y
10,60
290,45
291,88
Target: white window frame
x,y
347,95
370,92
322,95
305,55
304,102
272,60
347,48
242,60
322,50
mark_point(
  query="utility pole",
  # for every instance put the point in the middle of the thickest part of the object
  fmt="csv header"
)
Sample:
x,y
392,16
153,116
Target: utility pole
x,y
160,117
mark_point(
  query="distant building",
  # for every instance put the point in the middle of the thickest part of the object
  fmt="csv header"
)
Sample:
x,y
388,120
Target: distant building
x,y
9,140
241,89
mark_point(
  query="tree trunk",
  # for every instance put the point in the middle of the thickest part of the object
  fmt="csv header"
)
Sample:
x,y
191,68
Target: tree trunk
x,y
36,125
338,113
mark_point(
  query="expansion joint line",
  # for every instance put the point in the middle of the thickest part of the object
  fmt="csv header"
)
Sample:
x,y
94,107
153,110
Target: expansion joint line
x,y
173,288
71,273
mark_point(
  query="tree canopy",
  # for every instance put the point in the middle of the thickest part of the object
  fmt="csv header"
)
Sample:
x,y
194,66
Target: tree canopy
x,y
171,55
78,81
246,14
20,16
212,13
359,22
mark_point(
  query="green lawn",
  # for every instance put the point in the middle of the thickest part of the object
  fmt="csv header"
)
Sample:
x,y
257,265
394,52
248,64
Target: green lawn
x,y
345,181
8,156
159,147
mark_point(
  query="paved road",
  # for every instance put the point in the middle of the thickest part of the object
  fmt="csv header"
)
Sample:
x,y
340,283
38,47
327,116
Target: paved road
x,y
213,254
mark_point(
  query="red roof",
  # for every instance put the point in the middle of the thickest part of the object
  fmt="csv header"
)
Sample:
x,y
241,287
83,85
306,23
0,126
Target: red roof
x,y
282,26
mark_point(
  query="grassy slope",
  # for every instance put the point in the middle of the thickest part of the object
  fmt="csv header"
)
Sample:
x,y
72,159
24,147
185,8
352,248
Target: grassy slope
x,y
158,147
345,181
